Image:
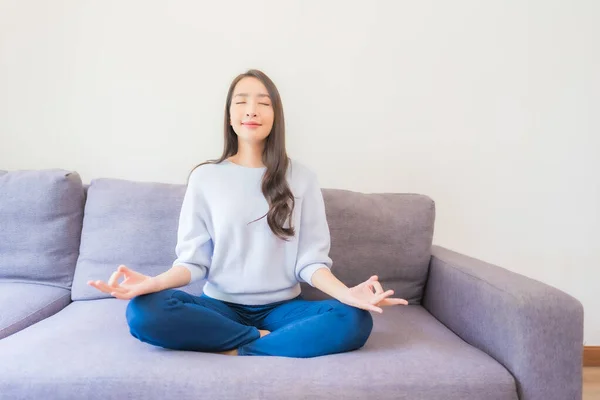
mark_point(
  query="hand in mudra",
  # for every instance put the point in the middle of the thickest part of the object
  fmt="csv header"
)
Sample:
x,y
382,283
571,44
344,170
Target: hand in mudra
x,y
134,284
369,295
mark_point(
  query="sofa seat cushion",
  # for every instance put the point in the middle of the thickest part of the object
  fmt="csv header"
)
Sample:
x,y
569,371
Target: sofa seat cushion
x,y
24,304
86,351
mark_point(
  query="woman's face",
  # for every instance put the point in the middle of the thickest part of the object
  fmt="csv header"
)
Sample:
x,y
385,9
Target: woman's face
x,y
251,111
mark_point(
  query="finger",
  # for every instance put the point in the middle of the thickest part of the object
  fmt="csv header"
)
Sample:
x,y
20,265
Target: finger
x,y
371,307
367,306
123,268
378,298
114,279
109,289
393,302
378,287
128,271
94,284
369,282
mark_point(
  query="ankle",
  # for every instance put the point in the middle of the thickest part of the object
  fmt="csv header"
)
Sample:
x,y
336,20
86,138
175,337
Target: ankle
x,y
233,352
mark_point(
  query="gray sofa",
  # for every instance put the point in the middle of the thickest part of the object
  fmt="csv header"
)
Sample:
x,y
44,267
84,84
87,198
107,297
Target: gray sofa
x,y
471,331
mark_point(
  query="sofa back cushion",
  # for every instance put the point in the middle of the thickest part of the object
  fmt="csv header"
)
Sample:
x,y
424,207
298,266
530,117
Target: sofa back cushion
x,y
131,223
135,223
383,234
41,214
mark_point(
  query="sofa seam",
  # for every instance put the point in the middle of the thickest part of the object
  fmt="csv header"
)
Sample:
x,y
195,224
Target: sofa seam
x,y
67,288
38,311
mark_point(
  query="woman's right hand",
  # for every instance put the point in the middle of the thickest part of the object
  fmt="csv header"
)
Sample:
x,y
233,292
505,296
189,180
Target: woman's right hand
x,y
134,284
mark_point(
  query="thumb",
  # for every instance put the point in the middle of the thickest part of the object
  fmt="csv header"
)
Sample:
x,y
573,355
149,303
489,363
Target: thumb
x,y
127,270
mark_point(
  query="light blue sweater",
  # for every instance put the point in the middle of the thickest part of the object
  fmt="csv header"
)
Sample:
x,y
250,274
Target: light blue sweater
x,y
245,262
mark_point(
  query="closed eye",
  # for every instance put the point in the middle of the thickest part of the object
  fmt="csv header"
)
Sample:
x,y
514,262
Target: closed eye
x,y
243,102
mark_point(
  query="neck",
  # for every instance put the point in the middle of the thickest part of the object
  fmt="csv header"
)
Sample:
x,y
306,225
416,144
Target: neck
x,y
249,155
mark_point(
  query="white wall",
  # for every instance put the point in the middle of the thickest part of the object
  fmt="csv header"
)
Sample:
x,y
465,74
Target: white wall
x,y
491,108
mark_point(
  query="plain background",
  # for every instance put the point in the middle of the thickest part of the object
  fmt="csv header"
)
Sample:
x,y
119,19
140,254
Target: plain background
x,y
489,107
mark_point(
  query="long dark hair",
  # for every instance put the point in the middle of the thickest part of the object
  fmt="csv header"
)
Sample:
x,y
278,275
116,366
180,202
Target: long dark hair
x,y
274,184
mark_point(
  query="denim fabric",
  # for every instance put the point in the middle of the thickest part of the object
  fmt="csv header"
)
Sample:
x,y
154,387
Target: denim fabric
x,y
299,328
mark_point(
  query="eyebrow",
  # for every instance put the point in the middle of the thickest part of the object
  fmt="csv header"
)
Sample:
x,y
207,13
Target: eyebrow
x,y
246,95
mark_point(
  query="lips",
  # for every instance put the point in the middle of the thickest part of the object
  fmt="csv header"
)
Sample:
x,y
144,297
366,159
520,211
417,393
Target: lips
x,y
250,124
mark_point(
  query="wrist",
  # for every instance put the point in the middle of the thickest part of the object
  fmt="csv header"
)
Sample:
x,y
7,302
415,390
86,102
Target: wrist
x,y
341,294
326,282
157,283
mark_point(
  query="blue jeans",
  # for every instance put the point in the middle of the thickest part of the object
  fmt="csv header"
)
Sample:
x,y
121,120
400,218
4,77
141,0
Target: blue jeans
x,y
299,328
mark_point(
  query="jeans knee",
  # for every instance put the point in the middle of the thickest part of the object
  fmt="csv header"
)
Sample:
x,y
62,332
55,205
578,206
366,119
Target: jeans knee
x,y
144,312
136,313
357,323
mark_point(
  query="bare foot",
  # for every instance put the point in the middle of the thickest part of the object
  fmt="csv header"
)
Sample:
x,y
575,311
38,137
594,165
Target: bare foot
x,y
263,332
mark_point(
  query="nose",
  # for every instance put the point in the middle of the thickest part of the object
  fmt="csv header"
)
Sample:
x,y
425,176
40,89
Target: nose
x,y
251,109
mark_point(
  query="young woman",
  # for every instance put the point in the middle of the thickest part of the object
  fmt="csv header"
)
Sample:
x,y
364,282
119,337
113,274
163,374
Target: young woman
x,y
253,225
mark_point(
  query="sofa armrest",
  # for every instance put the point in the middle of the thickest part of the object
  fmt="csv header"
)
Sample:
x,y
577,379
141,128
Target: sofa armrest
x,y
533,329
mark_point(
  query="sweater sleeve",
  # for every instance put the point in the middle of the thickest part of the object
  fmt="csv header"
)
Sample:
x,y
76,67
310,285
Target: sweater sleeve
x,y
194,244
313,236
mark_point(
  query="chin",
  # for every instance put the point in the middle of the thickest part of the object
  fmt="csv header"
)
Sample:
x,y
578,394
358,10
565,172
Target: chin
x,y
254,136
252,139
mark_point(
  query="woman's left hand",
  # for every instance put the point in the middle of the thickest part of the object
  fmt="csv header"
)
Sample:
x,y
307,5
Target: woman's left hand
x,y
370,296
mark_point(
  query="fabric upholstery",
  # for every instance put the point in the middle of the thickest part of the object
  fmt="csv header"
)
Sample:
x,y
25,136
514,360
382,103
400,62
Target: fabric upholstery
x,y
533,329
86,351
135,223
41,214
24,304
